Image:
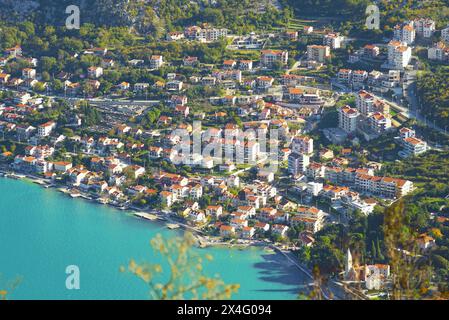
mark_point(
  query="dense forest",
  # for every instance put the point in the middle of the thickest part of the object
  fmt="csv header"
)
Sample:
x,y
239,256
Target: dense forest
x,y
433,90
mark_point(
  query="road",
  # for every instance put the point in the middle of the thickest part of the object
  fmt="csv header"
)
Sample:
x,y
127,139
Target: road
x,y
97,101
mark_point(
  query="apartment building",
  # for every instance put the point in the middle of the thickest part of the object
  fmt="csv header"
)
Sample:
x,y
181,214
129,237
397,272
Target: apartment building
x,y
333,40
358,78
371,51
439,52
424,27
348,118
156,61
95,72
204,34
268,57
383,186
413,146
399,55
344,76
405,33
379,123
318,53
445,35
365,103
298,163
302,144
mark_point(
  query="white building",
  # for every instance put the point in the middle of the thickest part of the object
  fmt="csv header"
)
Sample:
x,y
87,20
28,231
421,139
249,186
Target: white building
x,y
314,188
413,146
399,55
302,144
439,52
424,27
45,129
156,62
333,40
348,118
445,34
365,102
318,53
379,123
95,72
298,163
405,33
268,57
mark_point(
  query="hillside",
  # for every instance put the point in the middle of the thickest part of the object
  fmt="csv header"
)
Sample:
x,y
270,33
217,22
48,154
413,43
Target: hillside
x,y
149,16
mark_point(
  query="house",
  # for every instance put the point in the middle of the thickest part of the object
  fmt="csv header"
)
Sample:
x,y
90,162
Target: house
x,y
413,146
269,57
267,176
197,216
308,29
174,85
439,52
140,87
246,65
229,64
182,110
154,152
384,186
424,27
13,52
215,211
99,51
4,78
306,239
29,73
264,82
279,229
62,166
333,40
344,76
156,61
175,36
167,198
45,129
227,231
190,61
406,133
248,232
94,72
318,53
371,51
124,86
425,241
291,35
262,226
250,211
107,63
358,78
137,171
405,33
298,163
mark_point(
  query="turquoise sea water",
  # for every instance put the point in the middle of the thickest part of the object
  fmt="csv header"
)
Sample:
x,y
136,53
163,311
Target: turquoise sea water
x,y
43,231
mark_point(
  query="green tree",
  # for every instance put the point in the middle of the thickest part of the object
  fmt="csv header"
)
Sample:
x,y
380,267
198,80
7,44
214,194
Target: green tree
x,y
184,277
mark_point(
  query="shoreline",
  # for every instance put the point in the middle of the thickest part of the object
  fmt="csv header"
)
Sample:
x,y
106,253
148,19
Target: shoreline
x,y
204,240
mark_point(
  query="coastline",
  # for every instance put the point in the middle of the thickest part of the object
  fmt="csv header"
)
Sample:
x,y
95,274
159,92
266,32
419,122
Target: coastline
x,y
204,240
